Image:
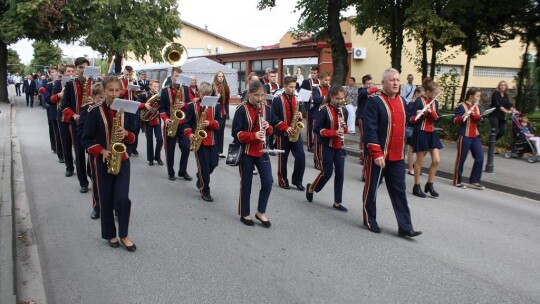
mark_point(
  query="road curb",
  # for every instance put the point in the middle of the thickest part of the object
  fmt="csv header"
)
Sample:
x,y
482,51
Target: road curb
x,y
8,286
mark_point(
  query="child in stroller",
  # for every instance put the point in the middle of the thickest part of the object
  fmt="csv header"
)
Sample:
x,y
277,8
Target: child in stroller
x,y
524,140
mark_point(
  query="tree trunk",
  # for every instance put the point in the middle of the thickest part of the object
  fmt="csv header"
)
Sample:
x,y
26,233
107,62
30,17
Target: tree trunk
x,y
466,77
3,72
523,74
340,56
433,67
118,63
424,57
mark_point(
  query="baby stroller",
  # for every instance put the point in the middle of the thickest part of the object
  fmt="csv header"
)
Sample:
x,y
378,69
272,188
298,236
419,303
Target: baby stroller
x,y
520,143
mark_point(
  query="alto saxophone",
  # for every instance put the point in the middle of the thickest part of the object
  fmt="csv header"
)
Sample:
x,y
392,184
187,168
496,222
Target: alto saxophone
x,y
176,115
116,146
296,126
200,133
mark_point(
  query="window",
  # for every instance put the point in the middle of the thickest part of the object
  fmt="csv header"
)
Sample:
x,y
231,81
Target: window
x,y
194,52
447,69
260,66
480,71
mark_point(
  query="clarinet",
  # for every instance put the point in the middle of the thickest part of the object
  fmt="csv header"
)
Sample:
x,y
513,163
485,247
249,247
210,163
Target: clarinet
x,y
340,119
259,113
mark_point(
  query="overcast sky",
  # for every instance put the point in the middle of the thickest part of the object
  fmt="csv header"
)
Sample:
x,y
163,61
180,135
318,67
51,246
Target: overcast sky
x,y
238,20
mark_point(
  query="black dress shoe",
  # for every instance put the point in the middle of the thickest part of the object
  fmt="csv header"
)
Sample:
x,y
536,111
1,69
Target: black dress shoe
x,y
266,224
310,149
172,178
186,176
136,153
113,244
83,190
340,207
286,186
300,187
151,163
160,162
61,161
69,173
197,184
410,233
248,222
374,229
309,196
207,197
129,248
222,155
94,215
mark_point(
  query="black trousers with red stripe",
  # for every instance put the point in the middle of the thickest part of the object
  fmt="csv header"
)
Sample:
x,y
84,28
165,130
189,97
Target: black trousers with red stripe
x,y
297,150
331,158
67,145
80,155
170,147
207,160
394,176
57,140
113,194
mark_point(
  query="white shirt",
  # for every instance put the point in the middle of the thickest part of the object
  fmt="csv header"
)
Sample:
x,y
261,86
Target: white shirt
x,y
407,91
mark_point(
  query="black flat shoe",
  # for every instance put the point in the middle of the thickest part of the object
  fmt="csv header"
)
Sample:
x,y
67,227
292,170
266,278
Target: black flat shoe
x,y
207,197
94,215
83,190
300,187
310,149
374,229
186,176
129,248
309,196
135,153
222,156
411,233
69,173
266,224
150,163
160,162
113,244
247,222
172,178
286,186
340,208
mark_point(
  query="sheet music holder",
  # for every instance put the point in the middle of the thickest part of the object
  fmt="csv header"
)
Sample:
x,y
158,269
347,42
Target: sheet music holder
x,y
129,106
279,92
209,101
183,79
488,111
91,72
133,87
66,79
304,95
269,97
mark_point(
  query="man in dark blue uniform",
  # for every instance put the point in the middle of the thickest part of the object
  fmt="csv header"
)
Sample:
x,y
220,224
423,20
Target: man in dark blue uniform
x,y
308,84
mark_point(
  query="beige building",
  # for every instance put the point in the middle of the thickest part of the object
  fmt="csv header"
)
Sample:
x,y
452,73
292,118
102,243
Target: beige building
x,y
200,42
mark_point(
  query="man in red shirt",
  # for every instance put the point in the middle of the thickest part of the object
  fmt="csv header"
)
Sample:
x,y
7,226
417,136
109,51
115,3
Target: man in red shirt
x,y
384,140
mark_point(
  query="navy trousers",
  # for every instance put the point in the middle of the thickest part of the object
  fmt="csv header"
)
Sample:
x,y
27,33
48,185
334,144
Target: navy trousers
x,y
297,150
464,145
246,178
67,145
113,194
80,156
331,159
207,161
220,138
52,139
152,131
93,178
394,176
170,145
309,129
57,140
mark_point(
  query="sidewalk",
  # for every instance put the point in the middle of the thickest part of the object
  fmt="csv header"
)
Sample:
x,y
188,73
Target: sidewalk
x,y
509,175
7,241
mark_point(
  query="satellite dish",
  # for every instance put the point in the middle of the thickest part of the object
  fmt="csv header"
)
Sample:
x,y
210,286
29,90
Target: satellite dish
x,y
209,47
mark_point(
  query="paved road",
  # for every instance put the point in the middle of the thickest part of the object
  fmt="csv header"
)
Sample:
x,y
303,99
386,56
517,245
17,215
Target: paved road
x,y
477,246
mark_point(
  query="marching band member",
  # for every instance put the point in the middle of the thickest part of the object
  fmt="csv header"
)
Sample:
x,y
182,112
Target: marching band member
x,y
424,137
249,117
153,127
132,120
207,154
250,77
309,84
193,89
113,189
143,82
52,113
73,100
272,86
419,91
330,125
384,138
221,88
363,94
45,94
166,106
467,115
318,94
98,97
265,79
64,127
283,110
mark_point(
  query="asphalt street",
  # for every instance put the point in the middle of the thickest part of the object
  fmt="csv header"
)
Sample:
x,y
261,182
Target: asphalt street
x,y
477,246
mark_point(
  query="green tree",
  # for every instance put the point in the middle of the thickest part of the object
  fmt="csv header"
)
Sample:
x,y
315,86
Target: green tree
x,y
142,27
14,64
484,23
45,54
387,19
322,17
39,19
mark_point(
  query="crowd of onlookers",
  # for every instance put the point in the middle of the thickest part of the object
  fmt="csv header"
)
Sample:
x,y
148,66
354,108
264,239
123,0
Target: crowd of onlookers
x,y
29,85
